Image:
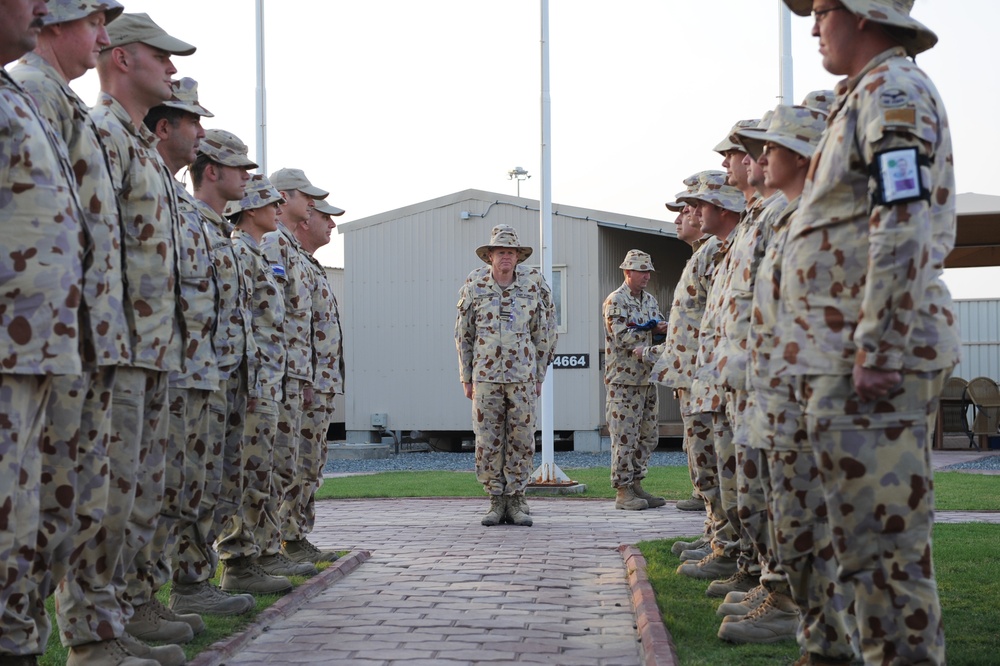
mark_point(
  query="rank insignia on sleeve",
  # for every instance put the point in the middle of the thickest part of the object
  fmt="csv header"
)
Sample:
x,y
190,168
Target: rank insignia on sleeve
x,y
906,117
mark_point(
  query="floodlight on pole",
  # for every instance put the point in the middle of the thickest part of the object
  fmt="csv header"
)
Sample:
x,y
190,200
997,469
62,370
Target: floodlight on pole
x,y
518,174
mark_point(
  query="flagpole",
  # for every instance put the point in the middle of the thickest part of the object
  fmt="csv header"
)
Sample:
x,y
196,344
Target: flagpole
x,y
261,96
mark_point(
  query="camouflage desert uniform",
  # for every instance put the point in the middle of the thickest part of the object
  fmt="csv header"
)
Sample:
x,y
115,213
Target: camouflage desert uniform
x,y
801,537
709,397
41,273
139,416
192,451
254,530
283,251
197,560
862,285
328,361
506,338
632,407
675,368
75,457
736,295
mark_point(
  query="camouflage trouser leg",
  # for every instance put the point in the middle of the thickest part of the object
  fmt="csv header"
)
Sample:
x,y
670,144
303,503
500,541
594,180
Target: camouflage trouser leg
x,y
23,400
259,534
86,609
874,464
699,445
503,420
286,453
185,489
801,531
195,560
750,478
726,528
138,452
633,423
74,484
229,524
312,456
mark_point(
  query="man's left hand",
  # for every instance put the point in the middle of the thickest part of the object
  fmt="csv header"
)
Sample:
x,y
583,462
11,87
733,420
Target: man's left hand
x,y
872,383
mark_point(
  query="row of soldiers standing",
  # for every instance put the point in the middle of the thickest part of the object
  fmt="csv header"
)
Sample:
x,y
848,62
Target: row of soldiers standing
x,y
808,341
169,359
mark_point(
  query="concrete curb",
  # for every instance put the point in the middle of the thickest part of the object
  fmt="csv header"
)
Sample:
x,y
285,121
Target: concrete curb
x,y
656,647
217,653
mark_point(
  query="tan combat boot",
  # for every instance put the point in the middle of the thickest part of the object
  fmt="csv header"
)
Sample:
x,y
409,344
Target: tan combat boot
x,y
497,511
693,503
741,581
773,621
741,603
304,551
164,655
279,565
152,623
516,514
243,575
651,500
626,499
106,653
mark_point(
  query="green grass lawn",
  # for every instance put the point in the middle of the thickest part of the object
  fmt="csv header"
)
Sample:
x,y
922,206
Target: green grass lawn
x,y
968,575
953,490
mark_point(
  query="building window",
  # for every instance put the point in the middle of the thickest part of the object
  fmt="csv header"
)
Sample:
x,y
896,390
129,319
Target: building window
x,y
558,295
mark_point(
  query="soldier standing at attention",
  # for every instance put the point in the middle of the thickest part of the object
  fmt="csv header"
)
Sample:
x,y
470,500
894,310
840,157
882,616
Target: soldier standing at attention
x,y
135,71
505,333
40,329
869,330
632,403
328,380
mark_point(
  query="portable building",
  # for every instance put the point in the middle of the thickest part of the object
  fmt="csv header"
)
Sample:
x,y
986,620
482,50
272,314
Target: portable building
x,y
403,270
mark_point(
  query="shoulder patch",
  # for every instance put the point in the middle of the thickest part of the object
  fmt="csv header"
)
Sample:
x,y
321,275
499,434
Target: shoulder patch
x,y
892,98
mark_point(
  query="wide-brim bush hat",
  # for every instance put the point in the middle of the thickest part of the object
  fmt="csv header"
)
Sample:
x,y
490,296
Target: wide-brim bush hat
x,y
911,34
503,236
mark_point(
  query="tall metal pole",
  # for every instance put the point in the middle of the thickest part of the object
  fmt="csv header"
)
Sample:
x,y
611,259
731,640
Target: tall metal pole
x,y
548,472
261,157
785,44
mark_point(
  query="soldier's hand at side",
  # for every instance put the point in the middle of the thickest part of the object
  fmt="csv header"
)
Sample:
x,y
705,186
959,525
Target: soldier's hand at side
x,y
662,327
251,405
307,396
637,351
538,388
467,387
871,383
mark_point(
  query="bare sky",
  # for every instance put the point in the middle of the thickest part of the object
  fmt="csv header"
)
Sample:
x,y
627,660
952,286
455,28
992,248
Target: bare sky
x,y
387,103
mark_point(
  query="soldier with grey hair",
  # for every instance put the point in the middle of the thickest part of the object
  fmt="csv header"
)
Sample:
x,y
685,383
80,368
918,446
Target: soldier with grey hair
x,y
632,318
869,332
505,333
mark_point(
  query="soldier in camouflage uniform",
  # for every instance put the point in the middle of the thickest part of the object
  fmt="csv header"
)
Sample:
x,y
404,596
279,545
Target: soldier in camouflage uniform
x,y
632,400
135,71
869,331
328,380
253,528
799,528
284,252
193,457
505,333
40,324
718,207
219,174
675,367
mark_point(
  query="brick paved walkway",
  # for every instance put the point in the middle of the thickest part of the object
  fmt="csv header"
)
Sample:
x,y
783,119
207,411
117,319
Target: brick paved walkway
x,y
441,589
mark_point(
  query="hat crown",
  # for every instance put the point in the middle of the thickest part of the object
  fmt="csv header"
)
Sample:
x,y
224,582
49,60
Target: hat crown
x,y
258,193
64,11
504,235
797,122
225,148
185,97
637,260
820,100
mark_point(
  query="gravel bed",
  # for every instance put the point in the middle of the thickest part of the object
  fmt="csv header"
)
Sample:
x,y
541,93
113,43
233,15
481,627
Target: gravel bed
x,y
987,463
466,462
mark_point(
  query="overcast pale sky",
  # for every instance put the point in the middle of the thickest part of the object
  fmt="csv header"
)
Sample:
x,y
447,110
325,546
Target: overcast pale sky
x,y
386,103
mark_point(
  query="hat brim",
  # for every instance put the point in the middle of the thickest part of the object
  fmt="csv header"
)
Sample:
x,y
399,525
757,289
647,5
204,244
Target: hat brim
x,y
674,206
313,191
483,252
196,109
329,209
169,44
715,202
800,7
110,15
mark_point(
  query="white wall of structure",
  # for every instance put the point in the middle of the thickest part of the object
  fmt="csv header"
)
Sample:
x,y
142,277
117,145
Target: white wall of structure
x,y
979,323
403,270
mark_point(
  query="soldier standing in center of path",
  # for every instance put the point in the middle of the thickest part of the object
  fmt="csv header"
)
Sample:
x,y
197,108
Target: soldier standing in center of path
x,y
632,402
505,333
